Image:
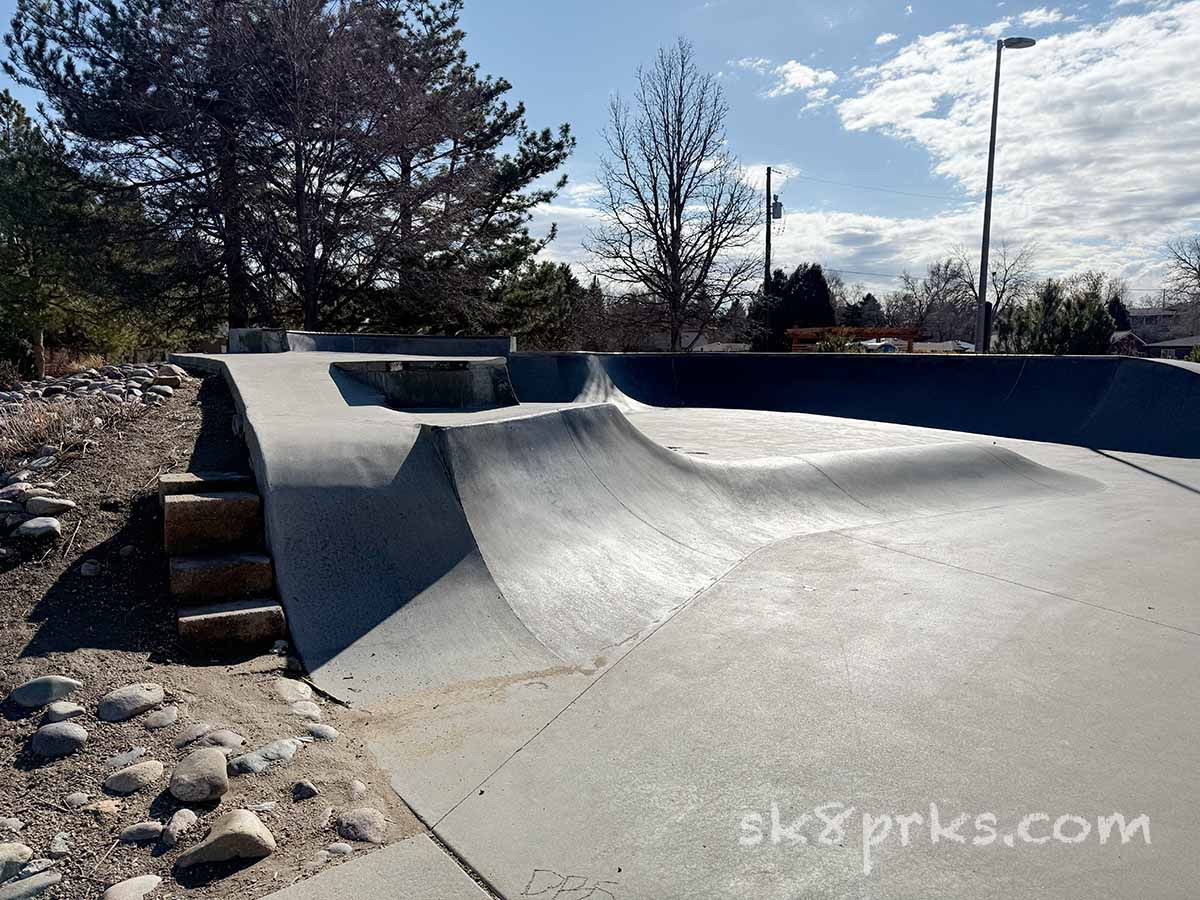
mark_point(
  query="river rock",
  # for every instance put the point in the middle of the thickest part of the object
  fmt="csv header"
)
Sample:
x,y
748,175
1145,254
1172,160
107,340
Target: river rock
x,y
323,732
58,739
76,800
141,832
200,776
133,888
191,733
292,691
162,718
58,846
128,758
41,527
61,710
13,857
48,506
223,739
236,835
364,824
134,778
44,689
30,887
129,701
179,824
306,709
263,758
303,790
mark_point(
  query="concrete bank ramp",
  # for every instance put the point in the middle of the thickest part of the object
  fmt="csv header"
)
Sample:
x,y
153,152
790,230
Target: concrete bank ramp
x,y
546,542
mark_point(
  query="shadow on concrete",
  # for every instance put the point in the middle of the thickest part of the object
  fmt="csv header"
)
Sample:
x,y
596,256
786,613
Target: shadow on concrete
x,y
218,447
354,391
1151,472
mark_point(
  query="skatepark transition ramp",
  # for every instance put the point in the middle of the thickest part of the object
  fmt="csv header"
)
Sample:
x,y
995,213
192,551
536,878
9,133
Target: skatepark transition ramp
x,y
1106,402
420,551
419,557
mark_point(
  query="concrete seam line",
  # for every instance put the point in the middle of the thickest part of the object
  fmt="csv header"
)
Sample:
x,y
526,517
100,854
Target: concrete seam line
x,y
470,871
1012,390
649,634
1020,584
833,481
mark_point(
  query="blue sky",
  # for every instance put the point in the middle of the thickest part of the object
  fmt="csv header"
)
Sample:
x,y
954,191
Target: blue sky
x,y
1099,155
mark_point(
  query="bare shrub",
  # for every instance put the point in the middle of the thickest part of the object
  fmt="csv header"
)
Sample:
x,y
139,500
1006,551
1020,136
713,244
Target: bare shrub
x,y
65,425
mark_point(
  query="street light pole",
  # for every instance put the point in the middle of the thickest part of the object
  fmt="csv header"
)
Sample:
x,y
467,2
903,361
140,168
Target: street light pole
x,y
767,279
981,312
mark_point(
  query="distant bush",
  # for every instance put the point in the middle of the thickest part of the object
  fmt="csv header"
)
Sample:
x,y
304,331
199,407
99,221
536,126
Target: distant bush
x,y
9,374
1194,356
836,342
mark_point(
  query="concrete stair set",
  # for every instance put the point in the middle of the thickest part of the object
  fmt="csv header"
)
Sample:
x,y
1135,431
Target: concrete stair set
x,y
220,575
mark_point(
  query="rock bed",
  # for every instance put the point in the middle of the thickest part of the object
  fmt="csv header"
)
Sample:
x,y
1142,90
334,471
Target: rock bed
x,y
126,383
116,628
31,509
202,762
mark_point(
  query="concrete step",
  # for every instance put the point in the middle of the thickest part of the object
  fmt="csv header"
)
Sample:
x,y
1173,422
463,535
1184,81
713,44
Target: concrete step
x,y
212,522
231,626
203,482
209,578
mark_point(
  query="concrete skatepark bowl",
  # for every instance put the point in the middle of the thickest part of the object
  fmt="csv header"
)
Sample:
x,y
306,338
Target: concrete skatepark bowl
x,y
737,625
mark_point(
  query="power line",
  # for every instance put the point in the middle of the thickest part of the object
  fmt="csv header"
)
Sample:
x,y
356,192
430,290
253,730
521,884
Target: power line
x,y
884,190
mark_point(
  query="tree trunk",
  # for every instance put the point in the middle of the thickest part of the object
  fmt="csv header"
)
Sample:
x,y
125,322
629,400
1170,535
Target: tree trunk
x,y
232,250
39,353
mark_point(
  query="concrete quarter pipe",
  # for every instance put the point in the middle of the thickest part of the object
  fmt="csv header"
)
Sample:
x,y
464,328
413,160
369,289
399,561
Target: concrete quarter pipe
x,y
600,667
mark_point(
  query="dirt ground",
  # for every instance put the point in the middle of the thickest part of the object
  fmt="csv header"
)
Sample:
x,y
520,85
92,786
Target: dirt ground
x,y
116,628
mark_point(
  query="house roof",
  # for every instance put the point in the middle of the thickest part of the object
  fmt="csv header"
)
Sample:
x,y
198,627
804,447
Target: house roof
x,y
1193,341
1121,335
1138,312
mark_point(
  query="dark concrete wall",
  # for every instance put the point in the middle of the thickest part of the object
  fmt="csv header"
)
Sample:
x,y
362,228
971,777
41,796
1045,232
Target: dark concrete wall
x,y
1107,402
404,344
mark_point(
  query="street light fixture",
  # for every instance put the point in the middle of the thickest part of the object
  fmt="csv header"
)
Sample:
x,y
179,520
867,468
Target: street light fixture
x,y
981,317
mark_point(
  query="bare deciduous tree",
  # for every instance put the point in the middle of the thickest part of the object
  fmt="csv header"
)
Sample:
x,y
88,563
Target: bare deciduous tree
x,y
1010,275
1183,269
680,217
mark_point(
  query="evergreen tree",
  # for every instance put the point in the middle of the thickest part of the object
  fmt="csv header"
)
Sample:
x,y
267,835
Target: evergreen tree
x,y
1059,320
334,164
799,300
541,306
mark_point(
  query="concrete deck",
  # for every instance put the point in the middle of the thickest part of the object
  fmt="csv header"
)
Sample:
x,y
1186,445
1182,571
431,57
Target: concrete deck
x,y
602,668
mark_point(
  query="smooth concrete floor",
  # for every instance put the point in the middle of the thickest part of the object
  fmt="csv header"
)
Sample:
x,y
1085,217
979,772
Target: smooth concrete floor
x,y
1021,660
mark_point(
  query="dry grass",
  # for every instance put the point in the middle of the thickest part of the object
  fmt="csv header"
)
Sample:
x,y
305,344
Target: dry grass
x,y
60,363
66,425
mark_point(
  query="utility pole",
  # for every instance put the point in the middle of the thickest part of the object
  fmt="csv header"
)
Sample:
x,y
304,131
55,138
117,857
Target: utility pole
x,y
767,278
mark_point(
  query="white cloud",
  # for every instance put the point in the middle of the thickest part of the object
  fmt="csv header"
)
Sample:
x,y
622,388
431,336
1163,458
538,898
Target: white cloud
x,y
755,64
1094,161
886,38
997,28
1037,18
908,10
794,76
